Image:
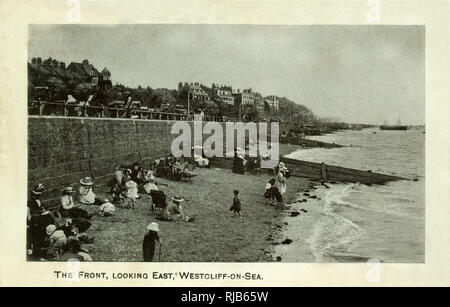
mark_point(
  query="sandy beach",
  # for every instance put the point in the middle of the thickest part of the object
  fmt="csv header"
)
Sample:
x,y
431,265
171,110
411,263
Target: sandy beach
x,y
214,235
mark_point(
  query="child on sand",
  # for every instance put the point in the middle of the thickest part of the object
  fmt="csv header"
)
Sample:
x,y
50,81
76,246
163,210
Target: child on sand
x,y
57,239
236,207
106,209
132,193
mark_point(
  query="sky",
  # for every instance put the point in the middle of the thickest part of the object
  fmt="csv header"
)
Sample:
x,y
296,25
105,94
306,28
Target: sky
x,y
357,74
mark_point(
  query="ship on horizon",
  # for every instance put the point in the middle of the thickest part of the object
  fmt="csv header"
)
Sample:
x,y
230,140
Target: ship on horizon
x,y
398,126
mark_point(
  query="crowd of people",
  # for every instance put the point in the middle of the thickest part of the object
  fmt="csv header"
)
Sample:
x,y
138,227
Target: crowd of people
x,y
59,235
50,235
276,187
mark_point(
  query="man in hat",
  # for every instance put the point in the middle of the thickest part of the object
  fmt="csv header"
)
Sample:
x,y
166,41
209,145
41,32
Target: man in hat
x,y
87,195
150,239
127,113
34,203
68,207
174,211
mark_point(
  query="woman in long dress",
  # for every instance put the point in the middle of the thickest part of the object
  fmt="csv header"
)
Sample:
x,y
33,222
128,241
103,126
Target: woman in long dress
x,y
150,239
280,183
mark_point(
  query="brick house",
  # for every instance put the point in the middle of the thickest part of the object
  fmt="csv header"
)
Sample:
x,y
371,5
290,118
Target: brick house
x,y
83,73
196,91
47,72
53,72
223,94
273,101
244,98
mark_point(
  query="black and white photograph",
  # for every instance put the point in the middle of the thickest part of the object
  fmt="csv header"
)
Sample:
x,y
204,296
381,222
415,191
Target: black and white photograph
x,y
211,146
226,143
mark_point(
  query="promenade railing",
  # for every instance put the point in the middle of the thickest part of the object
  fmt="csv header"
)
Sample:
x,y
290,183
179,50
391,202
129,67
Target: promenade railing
x,y
61,108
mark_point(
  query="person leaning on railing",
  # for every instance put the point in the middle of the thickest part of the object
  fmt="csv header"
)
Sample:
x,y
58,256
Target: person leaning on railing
x,y
127,113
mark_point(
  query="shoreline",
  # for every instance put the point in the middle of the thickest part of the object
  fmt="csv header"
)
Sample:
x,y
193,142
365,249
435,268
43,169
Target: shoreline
x,y
298,225
214,236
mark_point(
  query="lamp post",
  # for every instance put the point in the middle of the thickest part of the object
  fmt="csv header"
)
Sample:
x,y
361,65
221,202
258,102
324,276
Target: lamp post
x,y
189,105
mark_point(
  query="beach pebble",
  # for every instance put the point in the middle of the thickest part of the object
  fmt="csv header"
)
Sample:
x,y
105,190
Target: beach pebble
x,y
305,194
287,241
294,213
278,258
313,197
304,210
286,223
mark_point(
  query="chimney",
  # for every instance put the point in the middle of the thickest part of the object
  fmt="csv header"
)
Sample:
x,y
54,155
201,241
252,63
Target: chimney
x,y
62,65
85,62
39,61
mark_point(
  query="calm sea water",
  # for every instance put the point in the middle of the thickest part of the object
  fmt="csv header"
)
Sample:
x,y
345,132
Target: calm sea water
x,y
359,222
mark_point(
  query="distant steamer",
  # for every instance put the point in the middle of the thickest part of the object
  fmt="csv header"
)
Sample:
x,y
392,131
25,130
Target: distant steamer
x,y
394,127
398,126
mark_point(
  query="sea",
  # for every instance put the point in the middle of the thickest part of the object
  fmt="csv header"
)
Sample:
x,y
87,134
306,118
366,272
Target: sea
x,y
358,223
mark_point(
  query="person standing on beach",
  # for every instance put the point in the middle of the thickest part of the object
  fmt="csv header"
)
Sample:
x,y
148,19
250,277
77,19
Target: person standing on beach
x,y
238,163
127,113
236,207
280,182
150,239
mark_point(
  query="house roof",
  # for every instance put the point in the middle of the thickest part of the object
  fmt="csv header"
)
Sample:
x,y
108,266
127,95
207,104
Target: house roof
x,y
82,70
48,70
105,72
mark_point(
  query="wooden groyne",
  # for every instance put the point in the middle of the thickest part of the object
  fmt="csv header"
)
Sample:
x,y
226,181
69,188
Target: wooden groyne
x,y
321,171
309,143
325,172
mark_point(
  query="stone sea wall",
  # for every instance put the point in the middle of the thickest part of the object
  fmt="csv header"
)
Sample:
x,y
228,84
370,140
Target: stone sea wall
x,y
62,150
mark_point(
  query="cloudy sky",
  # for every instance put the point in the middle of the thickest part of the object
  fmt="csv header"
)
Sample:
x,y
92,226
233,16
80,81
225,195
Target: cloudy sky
x,y
359,74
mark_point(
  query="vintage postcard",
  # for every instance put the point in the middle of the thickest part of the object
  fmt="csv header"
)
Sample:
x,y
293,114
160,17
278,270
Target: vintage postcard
x,y
247,143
